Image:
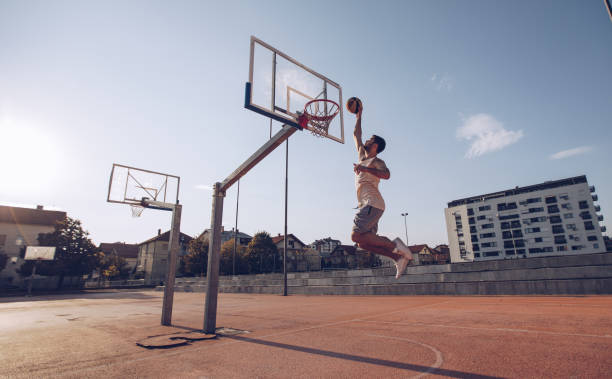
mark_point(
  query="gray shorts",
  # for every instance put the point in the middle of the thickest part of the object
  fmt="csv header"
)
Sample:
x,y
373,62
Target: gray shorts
x,y
366,219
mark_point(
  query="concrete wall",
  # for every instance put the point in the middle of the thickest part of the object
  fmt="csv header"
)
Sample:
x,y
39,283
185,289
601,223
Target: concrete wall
x,y
561,275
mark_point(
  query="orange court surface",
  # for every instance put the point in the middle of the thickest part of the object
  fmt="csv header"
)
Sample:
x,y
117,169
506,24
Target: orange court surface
x,y
95,334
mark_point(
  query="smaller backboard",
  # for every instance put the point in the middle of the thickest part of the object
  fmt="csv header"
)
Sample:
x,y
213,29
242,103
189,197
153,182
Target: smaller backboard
x,y
130,185
40,253
279,87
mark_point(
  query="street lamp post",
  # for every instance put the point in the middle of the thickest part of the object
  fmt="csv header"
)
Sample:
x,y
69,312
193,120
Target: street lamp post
x,y
406,226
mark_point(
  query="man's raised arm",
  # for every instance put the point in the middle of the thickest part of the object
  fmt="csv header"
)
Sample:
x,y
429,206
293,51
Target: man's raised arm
x,y
357,131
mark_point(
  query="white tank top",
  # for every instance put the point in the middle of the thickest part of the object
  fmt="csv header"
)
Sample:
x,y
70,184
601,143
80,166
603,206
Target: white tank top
x,y
367,184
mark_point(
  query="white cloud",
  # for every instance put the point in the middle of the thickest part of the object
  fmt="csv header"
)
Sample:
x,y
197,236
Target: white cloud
x,y
571,152
487,135
204,187
442,82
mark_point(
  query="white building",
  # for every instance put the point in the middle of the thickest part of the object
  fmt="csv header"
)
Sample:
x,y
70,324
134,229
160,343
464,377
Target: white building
x,y
552,218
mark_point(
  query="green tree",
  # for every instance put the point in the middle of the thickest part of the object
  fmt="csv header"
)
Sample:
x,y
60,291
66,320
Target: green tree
x,y
195,262
262,254
226,263
113,266
75,254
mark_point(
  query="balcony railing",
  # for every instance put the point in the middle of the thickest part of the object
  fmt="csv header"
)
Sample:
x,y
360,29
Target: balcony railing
x,y
592,189
594,197
600,217
597,208
603,229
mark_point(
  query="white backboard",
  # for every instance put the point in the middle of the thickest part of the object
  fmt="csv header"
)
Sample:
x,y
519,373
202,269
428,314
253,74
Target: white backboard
x,y
279,87
40,253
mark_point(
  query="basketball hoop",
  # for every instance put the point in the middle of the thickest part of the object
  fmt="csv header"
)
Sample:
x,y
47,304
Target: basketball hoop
x,y
136,210
319,113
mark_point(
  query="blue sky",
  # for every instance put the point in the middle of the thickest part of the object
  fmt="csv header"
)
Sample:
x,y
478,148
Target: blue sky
x,y
471,96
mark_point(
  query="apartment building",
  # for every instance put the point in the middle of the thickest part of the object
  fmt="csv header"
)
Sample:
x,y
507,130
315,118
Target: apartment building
x,y
551,218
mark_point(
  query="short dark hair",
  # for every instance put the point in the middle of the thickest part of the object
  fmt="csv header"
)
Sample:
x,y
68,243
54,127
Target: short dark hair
x,y
380,142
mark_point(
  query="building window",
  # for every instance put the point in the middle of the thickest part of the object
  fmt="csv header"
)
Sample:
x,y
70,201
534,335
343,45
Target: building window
x,y
509,217
532,230
506,206
491,254
583,204
560,240
586,215
519,243
534,200
489,244
555,219
553,209
472,229
472,221
567,206
556,229
595,246
538,239
568,215
551,200
520,251
477,255
577,247
506,234
591,238
564,196
537,209
509,252
474,238
481,217
571,227
470,212
588,225
562,248
487,235
517,233
505,225
475,247
488,226
484,208
508,245
515,224
538,219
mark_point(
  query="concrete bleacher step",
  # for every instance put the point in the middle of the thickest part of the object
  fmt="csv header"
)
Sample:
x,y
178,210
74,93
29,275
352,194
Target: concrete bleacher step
x,y
574,274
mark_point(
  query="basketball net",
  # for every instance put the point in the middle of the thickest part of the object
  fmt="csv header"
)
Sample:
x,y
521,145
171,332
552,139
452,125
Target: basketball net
x,y
320,113
136,210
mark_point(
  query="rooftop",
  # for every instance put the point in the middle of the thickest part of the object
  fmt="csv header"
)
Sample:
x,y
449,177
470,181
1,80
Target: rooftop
x,y
518,190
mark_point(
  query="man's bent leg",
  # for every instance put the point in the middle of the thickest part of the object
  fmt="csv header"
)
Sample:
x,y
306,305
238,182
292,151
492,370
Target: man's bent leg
x,y
380,250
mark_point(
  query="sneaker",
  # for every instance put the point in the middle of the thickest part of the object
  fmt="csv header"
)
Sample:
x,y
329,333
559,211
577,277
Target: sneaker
x,y
401,248
400,265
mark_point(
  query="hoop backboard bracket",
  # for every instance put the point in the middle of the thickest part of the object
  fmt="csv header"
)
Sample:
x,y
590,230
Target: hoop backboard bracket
x,y
149,189
279,88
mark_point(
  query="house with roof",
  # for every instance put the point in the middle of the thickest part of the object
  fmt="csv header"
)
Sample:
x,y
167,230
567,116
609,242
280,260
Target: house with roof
x,y
349,256
152,262
299,256
441,254
19,228
243,239
127,251
325,246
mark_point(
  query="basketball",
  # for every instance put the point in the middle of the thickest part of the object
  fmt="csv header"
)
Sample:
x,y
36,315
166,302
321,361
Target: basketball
x,y
353,105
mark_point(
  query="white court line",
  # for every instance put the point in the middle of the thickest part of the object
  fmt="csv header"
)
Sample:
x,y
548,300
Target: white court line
x,y
439,356
181,352
490,329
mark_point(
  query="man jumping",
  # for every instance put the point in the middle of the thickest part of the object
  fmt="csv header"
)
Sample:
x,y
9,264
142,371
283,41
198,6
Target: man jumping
x,y
368,173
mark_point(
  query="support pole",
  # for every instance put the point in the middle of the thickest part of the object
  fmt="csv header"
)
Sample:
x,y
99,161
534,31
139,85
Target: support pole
x,y
214,249
212,272
286,201
173,244
32,278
